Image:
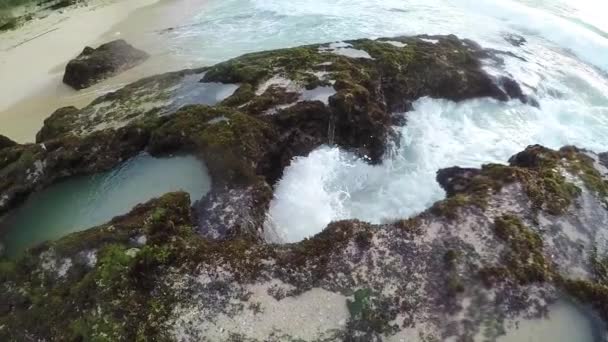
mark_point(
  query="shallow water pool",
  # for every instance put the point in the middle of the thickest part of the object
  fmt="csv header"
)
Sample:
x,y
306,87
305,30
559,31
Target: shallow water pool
x,y
566,322
87,201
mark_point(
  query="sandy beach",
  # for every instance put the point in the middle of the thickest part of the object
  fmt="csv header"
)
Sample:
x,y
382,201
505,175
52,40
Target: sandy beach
x,y
33,57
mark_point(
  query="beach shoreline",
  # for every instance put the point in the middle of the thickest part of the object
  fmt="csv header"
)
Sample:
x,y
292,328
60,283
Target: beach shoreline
x,y
46,45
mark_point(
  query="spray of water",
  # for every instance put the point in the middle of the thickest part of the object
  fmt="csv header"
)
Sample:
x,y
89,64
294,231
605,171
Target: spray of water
x,y
563,64
330,184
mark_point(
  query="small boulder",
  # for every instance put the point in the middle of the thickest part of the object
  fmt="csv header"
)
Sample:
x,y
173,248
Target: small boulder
x,y
6,142
94,65
603,158
532,157
515,39
456,179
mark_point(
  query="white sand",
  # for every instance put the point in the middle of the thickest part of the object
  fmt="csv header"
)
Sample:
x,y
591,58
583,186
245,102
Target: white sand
x,y
32,71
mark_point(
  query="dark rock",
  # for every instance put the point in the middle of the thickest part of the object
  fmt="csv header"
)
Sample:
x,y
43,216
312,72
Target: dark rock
x,y
515,40
6,142
604,158
456,179
511,87
531,157
93,65
303,127
249,138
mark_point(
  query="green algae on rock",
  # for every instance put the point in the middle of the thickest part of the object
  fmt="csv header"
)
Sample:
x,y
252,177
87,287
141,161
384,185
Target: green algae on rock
x,y
427,276
543,173
508,241
280,104
367,90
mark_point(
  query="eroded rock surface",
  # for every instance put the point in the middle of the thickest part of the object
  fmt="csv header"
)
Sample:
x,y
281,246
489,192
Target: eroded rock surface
x,y
248,117
495,251
94,65
507,242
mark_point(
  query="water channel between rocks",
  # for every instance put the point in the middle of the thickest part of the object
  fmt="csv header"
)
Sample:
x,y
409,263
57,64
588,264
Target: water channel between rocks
x,y
83,202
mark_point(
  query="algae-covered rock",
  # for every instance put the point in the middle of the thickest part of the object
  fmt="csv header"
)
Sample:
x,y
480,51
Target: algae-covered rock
x,y
360,96
31,167
249,116
430,276
94,65
57,123
507,241
604,159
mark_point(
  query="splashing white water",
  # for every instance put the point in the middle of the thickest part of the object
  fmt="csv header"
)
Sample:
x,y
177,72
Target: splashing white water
x,y
563,65
331,184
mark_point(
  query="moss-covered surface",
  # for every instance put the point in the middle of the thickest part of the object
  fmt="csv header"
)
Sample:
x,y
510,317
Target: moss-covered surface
x,y
107,283
230,142
254,68
592,291
523,260
117,298
237,141
365,315
122,294
126,291
540,171
60,122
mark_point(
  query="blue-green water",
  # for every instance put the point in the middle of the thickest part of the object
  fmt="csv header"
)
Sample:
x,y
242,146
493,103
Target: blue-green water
x,y
84,202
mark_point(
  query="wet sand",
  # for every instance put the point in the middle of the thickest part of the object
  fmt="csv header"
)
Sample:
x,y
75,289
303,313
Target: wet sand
x,y
32,70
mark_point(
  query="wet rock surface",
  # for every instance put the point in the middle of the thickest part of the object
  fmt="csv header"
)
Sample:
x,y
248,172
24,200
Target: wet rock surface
x,y
94,65
507,242
456,179
267,108
455,273
604,158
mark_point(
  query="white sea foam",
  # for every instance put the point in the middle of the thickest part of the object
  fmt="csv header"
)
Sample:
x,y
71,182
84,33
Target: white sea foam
x,y
562,64
331,184
252,25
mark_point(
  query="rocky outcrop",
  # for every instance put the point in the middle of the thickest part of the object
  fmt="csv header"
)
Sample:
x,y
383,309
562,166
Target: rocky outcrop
x,y
437,276
248,117
604,159
456,179
507,241
56,124
94,65
28,168
6,142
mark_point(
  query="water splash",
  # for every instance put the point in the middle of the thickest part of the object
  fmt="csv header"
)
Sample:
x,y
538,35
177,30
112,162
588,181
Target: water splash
x,y
331,184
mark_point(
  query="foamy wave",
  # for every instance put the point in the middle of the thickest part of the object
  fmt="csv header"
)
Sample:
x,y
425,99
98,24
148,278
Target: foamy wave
x,y
331,184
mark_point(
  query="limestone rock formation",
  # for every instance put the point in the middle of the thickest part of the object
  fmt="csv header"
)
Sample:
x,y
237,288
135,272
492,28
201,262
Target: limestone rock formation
x,y
506,242
494,250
